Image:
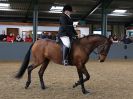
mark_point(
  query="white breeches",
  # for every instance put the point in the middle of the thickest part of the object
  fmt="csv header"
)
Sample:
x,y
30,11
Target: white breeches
x,y
65,40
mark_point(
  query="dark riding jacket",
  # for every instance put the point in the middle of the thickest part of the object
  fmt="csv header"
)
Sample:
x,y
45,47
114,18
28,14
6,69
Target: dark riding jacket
x,y
66,27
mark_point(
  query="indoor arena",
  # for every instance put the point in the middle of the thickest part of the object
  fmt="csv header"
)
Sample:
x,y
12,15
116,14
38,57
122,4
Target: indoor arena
x,y
60,49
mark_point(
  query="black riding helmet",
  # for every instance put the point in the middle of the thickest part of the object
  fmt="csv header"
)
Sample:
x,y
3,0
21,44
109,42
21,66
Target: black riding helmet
x,y
67,8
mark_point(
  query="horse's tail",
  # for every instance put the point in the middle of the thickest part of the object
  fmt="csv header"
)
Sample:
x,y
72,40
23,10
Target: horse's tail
x,y
25,63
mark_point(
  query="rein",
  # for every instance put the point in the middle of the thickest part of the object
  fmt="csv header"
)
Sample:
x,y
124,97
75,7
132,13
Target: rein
x,y
95,52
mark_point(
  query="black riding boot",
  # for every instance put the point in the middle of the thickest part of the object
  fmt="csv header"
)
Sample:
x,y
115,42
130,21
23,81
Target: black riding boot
x,y
65,55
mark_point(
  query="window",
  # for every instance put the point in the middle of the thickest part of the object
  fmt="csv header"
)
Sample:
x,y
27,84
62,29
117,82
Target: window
x,y
97,32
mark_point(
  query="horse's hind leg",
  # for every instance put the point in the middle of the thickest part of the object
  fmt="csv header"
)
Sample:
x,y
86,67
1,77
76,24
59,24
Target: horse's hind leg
x,y
41,72
30,68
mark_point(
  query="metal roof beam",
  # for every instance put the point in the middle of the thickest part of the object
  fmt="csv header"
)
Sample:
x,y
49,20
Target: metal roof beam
x,y
93,9
28,11
97,6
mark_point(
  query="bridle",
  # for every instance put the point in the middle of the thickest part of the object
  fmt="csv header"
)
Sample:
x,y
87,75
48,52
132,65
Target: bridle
x,y
98,52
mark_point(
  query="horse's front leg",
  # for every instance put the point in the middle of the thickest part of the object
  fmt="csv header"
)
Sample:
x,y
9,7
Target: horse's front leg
x,y
85,72
81,81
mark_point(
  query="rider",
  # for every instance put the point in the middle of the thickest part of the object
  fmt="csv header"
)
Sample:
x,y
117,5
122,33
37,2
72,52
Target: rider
x,y
66,32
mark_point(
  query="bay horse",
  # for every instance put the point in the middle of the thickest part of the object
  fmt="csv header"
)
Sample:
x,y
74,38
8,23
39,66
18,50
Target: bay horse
x,y
46,50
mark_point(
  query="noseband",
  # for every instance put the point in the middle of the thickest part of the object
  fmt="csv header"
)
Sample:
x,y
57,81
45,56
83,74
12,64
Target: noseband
x,y
99,52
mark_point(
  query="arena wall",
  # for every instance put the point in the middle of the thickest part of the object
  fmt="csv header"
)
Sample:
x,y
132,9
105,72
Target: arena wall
x,y
17,50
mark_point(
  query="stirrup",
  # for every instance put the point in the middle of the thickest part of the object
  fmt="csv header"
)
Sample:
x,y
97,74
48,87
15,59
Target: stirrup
x,y
65,62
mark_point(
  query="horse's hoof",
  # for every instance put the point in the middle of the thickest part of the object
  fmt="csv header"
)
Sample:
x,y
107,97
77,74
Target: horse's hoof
x,y
26,87
75,85
85,92
43,88
27,84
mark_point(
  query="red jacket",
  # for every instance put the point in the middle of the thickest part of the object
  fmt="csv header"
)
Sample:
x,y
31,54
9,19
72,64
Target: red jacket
x,y
10,38
28,39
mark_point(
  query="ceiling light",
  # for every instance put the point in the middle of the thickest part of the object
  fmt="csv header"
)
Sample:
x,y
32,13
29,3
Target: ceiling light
x,y
119,11
56,9
4,5
4,0
113,14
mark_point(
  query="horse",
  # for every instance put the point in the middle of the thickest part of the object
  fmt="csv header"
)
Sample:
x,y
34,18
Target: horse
x,y
43,51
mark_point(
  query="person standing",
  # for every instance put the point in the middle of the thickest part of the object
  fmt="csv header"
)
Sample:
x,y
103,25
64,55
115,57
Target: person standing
x,y
66,32
28,38
10,38
18,38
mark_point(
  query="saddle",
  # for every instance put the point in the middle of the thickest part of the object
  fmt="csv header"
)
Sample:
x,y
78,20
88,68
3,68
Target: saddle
x,y
58,40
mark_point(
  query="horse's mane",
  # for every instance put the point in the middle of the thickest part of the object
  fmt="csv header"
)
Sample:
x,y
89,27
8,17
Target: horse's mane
x,y
98,35
93,35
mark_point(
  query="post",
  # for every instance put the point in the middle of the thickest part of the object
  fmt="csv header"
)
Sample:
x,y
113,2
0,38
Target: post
x,y
104,19
35,20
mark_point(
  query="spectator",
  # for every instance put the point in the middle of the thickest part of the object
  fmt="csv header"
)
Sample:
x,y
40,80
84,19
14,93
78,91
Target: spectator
x,y
28,38
18,38
43,35
10,38
126,40
3,37
115,39
53,37
49,35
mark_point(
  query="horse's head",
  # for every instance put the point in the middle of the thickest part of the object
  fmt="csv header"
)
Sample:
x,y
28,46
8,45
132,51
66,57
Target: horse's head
x,y
103,50
100,42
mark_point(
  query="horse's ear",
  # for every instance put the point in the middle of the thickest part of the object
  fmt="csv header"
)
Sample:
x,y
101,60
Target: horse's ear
x,y
110,39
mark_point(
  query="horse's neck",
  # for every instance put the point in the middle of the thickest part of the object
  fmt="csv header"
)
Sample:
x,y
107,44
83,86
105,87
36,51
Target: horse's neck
x,y
89,45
